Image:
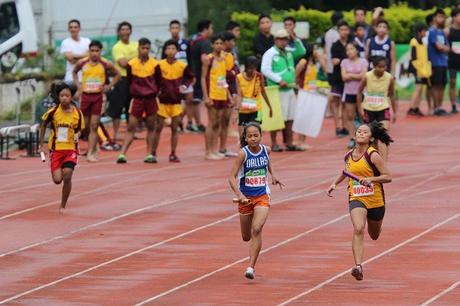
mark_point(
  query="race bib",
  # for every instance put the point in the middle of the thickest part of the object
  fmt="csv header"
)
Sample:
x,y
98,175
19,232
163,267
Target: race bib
x,y
248,104
361,190
456,47
63,134
93,85
255,178
222,82
375,100
311,85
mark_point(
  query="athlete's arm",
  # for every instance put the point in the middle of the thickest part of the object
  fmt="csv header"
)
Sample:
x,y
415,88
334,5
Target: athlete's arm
x,y
337,181
321,59
42,135
366,50
204,84
239,94
384,177
393,58
233,174
391,96
264,95
345,75
75,71
299,68
359,97
275,180
116,76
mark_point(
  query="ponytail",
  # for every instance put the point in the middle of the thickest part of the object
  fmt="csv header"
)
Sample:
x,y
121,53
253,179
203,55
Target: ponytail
x,y
243,141
380,133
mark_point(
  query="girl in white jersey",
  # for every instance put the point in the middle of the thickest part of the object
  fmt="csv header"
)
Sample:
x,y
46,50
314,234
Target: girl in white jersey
x,y
249,182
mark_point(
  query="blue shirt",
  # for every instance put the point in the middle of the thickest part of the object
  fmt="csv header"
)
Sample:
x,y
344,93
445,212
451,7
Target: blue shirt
x,y
436,57
253,175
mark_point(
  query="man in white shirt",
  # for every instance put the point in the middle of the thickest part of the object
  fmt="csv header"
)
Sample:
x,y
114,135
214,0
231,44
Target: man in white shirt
x,y
74,48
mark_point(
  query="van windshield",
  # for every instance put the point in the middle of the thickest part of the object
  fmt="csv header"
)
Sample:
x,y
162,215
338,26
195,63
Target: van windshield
x,y
9,22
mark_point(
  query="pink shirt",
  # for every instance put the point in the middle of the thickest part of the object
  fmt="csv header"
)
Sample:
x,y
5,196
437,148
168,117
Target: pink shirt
x,y
356,67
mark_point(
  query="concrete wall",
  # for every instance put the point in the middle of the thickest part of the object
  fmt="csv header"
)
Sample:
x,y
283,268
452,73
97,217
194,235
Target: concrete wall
x,y
9,96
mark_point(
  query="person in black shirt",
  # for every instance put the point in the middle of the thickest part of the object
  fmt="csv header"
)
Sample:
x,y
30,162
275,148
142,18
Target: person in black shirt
x,y
264,39
199,48
453,35
339,53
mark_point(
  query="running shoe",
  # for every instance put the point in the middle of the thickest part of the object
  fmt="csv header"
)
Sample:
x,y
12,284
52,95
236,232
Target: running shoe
x,y
277,148
228,153
454,109
150,159
351,144
339,133
250,273
411,112
201,128
122,159
191,128
440,112
173,158
357,272
293,148
419,113
345,132
116,146
106,146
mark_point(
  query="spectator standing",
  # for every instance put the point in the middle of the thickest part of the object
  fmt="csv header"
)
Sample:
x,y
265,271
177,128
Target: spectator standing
x,y
279,69
234,28
200,47
382,45
119,98
295,45
263,40
74,48
453,35
438,49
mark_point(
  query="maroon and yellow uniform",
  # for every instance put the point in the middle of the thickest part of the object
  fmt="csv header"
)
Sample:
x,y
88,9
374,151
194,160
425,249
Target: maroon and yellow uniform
x,y
218,78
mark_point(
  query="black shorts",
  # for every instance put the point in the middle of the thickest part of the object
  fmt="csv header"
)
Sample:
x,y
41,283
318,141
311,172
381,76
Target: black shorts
x,y
453,73
375,214
423,81
383,115
197,93
244,119
439,76
350,99
119,99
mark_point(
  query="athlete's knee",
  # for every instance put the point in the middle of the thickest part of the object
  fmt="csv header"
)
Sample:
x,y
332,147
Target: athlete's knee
x,y
57,181
216,125
67,176
374,234
246,237
358,230
94,126
256,230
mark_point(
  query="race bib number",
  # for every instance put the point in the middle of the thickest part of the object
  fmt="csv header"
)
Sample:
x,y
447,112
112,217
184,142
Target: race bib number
x,y
222,82
255,178
456,47
63,134
361,190
375,100
311,85
248,104
93,85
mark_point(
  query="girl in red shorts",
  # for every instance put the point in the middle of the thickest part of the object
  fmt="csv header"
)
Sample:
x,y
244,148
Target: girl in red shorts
x,y
249,182
66,122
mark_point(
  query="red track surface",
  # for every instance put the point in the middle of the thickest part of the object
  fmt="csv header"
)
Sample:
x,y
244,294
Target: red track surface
x,y
169,235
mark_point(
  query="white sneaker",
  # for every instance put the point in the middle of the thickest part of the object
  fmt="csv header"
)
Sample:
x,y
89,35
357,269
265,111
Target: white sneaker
x,y
250,273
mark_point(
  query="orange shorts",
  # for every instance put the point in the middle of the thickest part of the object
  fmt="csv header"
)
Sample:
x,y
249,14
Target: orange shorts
x,y
248,209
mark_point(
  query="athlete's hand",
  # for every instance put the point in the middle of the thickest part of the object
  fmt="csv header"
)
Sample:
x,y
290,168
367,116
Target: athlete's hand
x,y
107,88
330,190
275,181
243,200
207,101
283,83
361,113
182,88
76,137
366,181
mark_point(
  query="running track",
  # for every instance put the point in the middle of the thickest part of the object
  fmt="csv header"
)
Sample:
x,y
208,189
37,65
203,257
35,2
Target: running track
x,y
169,235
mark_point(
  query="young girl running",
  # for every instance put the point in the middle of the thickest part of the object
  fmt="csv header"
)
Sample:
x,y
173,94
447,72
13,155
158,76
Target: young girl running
x,y
353,71
250,85
249,182
66,122
366,196
380,89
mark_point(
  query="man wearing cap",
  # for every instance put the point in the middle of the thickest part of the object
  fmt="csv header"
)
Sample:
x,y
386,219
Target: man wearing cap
x,y
279,69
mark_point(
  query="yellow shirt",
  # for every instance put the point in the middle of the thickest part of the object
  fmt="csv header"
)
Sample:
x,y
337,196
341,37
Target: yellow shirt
x,y
122,50
422,65
143,70
250,91
371,197
376,98
311,75
63,127
217,77
93,76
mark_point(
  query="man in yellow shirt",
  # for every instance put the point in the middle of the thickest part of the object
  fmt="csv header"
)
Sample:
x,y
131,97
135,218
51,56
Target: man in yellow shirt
x,y
119,98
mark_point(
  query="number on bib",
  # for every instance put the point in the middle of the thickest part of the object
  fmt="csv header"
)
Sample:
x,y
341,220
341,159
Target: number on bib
x,y
375,100
62,134
222,82
361,190
248,104
255,178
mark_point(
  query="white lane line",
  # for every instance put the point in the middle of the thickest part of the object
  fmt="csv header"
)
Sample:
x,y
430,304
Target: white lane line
x,y
279,244
398,246
440,294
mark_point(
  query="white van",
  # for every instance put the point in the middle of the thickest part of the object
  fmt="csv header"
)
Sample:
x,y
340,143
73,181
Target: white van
x,y
18,36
